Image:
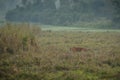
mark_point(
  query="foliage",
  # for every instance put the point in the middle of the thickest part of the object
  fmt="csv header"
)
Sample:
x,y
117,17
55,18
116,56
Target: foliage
x,y
69,12
116,17
100,23
15,38
55,61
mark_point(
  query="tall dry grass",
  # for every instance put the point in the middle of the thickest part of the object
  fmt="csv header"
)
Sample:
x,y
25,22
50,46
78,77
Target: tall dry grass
x,y
55,61
15,38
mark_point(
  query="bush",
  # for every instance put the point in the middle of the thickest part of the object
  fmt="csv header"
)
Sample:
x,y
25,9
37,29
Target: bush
x,y
101,23
18,37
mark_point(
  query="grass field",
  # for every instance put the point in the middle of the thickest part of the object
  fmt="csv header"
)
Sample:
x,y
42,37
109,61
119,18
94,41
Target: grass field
x,y
55,61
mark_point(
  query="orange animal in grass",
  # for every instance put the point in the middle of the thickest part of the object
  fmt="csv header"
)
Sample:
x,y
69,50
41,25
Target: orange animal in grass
x,y
78,49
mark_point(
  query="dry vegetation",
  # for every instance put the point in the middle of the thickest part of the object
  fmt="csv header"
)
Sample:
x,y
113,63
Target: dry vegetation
x,y
53,59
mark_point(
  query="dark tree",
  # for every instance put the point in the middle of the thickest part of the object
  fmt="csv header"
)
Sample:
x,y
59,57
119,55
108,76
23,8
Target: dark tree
x,y
24,2
116,4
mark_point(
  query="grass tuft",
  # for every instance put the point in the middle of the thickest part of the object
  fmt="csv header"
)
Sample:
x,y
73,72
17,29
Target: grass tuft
x,y
16,38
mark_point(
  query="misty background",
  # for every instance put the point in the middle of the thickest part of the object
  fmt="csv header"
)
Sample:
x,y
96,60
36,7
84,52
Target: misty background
x,y
79,13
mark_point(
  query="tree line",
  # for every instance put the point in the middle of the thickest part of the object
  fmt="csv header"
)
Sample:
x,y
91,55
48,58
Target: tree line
x,y
64,12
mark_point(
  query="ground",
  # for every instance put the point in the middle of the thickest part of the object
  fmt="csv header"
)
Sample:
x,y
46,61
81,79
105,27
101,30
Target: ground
x,y
55,61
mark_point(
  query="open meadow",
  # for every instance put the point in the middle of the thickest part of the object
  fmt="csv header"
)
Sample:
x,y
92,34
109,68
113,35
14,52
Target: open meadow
x,y
49,55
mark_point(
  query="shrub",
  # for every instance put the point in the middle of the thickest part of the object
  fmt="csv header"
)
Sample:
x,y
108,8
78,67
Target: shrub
x,y
18,37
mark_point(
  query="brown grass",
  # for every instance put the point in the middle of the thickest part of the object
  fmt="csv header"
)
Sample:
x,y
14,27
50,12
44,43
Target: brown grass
x,y
55,61
17,38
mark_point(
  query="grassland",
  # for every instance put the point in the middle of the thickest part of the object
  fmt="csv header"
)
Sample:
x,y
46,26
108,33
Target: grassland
x,y
53,59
